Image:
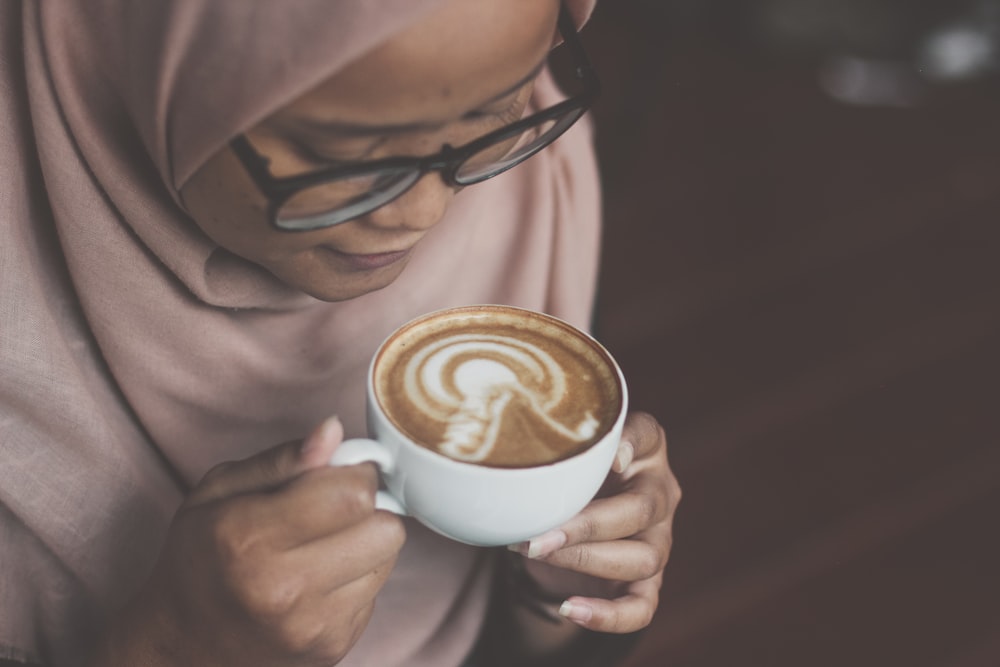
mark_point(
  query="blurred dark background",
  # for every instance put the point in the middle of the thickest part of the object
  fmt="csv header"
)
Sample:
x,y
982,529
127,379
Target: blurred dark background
x,y
801,280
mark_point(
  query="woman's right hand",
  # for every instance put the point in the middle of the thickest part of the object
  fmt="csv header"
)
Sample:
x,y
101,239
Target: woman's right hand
x,y
273,560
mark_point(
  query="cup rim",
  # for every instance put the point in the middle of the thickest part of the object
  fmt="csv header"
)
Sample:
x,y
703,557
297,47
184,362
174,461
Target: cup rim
x,y
511,470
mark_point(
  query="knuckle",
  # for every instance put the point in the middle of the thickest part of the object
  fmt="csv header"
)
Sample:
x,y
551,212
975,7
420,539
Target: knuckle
x,y
337,646
234,534
649,609
647,426
614,621
214,482
647,511
229,536
645,617
272,464
588,528
667,547
357,500
632,619
581,558
299,636
312,636
271,599
392,530
650,562
351,492
217,472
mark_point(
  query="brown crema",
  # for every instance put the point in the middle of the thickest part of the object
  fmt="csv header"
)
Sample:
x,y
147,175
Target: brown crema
x,y
497,386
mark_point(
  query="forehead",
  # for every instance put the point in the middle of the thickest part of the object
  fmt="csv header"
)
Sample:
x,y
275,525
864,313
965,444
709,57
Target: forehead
x,y
452,61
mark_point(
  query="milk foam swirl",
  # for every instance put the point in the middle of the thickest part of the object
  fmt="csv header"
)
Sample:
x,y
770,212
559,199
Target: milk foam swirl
x,y
466,381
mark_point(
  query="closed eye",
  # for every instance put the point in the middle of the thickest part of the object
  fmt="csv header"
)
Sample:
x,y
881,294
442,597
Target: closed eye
x,y
325,155
509,113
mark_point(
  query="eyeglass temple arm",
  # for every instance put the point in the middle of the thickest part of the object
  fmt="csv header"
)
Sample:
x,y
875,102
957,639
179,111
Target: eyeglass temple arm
x,y
255,163
571,37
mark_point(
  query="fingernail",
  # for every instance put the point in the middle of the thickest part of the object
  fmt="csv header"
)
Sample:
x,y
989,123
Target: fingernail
x,y
328,428
577,612
321,436
624,457
545,544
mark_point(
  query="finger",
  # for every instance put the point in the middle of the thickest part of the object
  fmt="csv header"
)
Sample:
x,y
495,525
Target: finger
x,y
345,615
645,435
319,568
328,626
295,610
645,503
272,583
621,560
315,505
269,468
629,613
623,457
361,551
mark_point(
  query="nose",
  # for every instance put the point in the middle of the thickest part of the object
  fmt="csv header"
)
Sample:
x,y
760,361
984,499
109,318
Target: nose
x,y
418,209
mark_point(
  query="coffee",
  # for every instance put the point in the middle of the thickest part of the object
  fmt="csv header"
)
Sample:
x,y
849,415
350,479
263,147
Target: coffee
x,y
497,386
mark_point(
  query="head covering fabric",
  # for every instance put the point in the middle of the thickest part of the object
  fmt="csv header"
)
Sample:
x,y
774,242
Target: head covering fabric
x,y
135,353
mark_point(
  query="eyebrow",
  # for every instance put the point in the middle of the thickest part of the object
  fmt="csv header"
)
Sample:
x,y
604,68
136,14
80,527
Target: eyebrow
x,y
364,130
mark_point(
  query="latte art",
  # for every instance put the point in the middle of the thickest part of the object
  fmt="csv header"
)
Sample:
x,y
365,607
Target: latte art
x,y
468,381
497,386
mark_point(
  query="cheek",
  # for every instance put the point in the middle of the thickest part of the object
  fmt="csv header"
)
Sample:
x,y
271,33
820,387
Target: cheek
x,y
226,206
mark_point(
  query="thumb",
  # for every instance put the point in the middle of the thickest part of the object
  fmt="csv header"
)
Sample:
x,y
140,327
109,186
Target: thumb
x,y
317,449
270,468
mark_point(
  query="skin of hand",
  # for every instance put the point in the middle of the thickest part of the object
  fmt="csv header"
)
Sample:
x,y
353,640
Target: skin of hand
x,y
622,538
273,560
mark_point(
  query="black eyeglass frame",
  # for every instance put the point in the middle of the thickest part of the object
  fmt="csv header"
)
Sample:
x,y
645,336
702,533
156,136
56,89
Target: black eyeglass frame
x,y
446,162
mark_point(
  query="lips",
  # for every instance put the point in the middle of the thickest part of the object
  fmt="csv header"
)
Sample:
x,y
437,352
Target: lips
x,y
369,262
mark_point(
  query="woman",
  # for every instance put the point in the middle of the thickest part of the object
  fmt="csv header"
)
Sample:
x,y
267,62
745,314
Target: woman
x,y
172,316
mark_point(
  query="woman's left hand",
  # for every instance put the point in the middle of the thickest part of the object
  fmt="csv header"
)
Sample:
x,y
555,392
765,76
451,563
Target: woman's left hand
x,y
623,536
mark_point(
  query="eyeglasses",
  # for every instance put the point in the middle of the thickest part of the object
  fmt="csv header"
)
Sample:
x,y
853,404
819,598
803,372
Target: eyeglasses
x,y
342,192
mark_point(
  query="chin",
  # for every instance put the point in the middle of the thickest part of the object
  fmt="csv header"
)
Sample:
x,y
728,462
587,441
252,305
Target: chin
x,y
344,288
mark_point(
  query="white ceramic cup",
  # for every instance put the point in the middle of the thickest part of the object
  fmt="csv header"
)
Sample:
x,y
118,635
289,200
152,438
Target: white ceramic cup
x,y
478,504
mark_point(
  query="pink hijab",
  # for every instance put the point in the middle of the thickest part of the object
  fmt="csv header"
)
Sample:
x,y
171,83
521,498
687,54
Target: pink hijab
x,y
135,354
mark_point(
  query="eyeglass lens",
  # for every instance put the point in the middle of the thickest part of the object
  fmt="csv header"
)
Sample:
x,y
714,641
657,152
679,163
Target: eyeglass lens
x,y
337,201
500,157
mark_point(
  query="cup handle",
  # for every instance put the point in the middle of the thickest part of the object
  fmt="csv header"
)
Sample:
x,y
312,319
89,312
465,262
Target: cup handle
x,y
361,450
